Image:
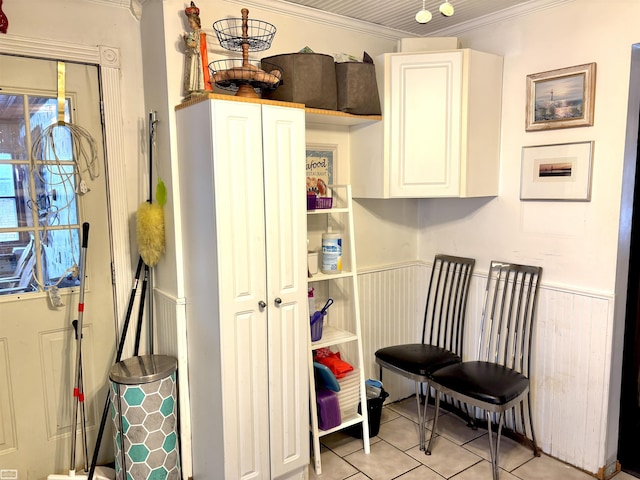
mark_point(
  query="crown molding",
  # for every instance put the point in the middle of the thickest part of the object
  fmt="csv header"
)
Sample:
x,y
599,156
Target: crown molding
x,y
134,6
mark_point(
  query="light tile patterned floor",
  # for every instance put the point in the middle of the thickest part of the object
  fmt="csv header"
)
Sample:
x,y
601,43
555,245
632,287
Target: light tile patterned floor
x,y
459,453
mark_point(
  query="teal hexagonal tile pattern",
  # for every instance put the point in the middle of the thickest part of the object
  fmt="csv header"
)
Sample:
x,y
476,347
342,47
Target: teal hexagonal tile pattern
x,y
145,418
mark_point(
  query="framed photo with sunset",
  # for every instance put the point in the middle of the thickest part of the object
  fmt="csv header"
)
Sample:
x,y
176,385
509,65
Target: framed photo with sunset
x,y
557,172
561,98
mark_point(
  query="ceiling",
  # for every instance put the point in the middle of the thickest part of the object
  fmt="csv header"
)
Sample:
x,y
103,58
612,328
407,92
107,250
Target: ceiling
x,y
400,14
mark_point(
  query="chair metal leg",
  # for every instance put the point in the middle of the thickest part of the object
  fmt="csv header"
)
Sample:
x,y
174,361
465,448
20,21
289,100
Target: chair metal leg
x,y
421,417
471,419
494,449
536,450
435,422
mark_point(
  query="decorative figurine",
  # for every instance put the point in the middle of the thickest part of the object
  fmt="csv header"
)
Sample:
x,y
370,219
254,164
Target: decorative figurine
x,y
4,21
196,74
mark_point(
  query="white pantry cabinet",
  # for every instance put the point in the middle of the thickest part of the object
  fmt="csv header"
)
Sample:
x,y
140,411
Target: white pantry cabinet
x,y
440,134
243,219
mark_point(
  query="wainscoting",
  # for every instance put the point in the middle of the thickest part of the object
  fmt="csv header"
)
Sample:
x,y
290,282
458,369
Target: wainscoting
x,y
571,353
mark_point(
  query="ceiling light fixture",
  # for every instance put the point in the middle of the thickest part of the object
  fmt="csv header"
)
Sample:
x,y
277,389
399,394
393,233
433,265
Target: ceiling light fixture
x,y
446,9
424,15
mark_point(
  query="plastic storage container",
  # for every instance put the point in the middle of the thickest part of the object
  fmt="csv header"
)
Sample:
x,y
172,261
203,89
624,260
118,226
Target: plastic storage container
x,y
328,409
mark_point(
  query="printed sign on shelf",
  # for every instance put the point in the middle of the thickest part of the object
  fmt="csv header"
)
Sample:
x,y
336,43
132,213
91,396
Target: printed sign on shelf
x,y
319,169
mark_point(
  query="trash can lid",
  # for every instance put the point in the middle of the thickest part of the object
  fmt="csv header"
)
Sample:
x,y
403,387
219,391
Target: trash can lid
x,y
143,369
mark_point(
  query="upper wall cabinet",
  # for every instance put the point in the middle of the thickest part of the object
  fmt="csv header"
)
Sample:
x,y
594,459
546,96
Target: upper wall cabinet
x,y
440,134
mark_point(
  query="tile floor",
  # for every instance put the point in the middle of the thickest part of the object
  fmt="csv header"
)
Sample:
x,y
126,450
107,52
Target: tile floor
x,y
459,453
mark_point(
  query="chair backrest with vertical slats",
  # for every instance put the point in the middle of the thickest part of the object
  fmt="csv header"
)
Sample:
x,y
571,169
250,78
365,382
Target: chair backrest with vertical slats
x,y
507,319
447,302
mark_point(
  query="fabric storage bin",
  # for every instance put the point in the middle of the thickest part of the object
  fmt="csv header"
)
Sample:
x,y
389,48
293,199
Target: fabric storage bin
x,y
308,78
357,88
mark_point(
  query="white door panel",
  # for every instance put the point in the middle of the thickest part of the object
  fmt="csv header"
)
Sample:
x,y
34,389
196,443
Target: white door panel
x,y
37,344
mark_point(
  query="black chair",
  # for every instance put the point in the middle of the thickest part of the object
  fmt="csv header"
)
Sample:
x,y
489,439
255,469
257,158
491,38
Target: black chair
x,y
498,380
442,330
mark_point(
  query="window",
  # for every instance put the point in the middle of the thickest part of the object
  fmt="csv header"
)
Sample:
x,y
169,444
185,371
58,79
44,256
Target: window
x,y
39,218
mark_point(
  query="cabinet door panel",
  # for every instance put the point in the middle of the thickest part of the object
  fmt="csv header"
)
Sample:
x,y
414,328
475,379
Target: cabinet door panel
x,y
238,191
426,93
285,213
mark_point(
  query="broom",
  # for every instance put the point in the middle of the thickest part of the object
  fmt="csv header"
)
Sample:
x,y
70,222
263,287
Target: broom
x,y
150,216
150,235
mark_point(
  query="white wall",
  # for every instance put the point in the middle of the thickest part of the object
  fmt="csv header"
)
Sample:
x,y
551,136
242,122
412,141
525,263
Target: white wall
x,y
575,242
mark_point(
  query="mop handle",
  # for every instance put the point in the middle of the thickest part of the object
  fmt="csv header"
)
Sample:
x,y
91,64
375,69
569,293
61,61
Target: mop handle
x,y
123,336
77,390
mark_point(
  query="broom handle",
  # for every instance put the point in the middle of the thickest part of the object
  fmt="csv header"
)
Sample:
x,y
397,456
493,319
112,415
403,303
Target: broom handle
x,y
141,310
152,135
123,336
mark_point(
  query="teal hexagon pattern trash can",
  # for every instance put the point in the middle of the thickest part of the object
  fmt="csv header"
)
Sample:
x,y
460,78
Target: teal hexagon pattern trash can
x,y
143,410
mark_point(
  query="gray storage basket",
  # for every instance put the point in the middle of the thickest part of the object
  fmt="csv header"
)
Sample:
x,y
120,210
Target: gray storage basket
x,y
308,78
357,88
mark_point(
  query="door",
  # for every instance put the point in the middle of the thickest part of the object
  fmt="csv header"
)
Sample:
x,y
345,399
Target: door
x,y
37,342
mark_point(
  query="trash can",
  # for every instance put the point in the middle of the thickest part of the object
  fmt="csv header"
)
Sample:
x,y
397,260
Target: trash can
x,y
143,410
374,411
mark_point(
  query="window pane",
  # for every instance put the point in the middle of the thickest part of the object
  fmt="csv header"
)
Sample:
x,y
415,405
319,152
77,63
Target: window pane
x,y
61,252
12,131
8,219
55,198
51,141
17,264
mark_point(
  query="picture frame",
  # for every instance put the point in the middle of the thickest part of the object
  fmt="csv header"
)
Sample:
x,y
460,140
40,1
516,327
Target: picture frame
x,y
320,168
557,172
562,98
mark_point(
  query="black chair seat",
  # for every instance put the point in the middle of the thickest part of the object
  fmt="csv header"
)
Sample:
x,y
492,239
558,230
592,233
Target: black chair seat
x,y
417,358
488,382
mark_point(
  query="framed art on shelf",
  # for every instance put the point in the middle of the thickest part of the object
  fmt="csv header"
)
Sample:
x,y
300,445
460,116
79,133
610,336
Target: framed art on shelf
x,y
557,172
320,161
561,98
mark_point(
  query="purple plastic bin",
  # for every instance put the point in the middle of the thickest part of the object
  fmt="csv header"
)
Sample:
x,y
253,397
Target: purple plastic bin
x,y
328,409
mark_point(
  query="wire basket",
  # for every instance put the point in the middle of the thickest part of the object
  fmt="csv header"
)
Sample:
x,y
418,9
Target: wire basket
x,y
230,34
315,202
230,73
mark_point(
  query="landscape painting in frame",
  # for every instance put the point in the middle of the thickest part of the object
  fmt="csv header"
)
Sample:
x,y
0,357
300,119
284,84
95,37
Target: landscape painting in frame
x,y
561,98
557,172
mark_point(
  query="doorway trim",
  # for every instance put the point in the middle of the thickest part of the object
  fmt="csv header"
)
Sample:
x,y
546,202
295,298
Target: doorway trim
x,y
107,59
624,248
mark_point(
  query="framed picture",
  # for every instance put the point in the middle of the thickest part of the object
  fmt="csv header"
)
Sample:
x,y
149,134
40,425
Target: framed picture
x,y
557,172
561,98
320,160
